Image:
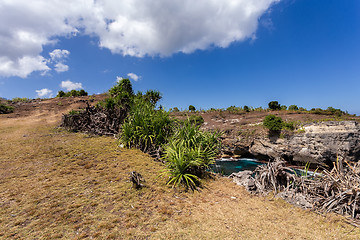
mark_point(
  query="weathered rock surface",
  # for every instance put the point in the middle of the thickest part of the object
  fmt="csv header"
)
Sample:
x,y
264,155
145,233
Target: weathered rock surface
x,y
318,143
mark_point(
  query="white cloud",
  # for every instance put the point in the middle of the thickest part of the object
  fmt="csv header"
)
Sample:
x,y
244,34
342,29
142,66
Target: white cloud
x,y
23,66
44,92
59,55
60,67
69,85
127,27
133,76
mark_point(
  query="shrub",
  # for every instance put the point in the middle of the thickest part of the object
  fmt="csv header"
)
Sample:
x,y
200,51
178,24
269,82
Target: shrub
x,y
196,120
82,93
152,96
175,109
74,112
289,126
61,94
4,109
283,107
274,105
72,93
273,123
192,108
18,99
146,128
189,154
293,108
233,109
246,109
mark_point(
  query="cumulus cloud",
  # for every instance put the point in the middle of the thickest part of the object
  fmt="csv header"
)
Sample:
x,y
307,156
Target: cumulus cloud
x,y
127,27
44,92
59,54
133,76
60,67
58,57
69,85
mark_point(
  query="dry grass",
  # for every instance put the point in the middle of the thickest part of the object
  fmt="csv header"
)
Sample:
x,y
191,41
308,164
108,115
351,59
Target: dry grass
x,y
55,184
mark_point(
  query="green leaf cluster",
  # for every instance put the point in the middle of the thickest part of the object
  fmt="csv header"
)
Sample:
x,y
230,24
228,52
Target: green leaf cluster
x,y
72,93
273,123
4,109
145,128
189,153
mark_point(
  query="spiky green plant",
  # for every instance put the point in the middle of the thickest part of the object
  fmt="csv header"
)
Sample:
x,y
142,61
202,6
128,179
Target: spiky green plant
x,y
145,127
189,154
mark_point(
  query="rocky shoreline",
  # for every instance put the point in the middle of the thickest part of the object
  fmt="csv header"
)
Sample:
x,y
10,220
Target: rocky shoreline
x,y
318,143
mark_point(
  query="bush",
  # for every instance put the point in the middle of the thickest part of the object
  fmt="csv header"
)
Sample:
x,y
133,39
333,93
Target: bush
x,y
192,108
293,108
123,87
18,99
152,96
4,109
175,109
72,93
189,154
273,123
233,109
61,94
289,126
146,128
274,105
246,109
196,120
283,107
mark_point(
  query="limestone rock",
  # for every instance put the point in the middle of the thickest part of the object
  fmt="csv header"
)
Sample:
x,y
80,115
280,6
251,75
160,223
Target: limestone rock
x,y
319,144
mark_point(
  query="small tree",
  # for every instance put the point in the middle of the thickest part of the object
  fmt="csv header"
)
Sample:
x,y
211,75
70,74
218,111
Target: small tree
x,y
175,109
293,108
273,123
192,108
274,105
82,93
152,96
61,93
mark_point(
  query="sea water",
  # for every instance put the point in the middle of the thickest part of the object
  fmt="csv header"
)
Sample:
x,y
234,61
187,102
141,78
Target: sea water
x,y
227,166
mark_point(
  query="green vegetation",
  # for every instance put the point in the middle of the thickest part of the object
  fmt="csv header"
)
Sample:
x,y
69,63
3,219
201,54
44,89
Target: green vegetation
x,y
293,108
283,107
189,154
174,109
18,99
75,112
145,128
274,105
246,109
6,109
289,126
273,123
196,120
192,108
72,93
188,151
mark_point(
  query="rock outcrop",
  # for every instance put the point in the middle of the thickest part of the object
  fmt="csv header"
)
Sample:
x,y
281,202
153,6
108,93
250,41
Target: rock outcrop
x,y
318,143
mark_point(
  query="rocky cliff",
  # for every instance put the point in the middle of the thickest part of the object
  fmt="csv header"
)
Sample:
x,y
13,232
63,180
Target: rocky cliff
x,y
316,143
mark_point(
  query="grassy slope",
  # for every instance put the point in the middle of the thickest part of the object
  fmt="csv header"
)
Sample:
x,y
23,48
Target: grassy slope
x,y
55,184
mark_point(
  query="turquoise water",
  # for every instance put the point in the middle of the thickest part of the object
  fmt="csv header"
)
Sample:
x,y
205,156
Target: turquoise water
x,y
229,166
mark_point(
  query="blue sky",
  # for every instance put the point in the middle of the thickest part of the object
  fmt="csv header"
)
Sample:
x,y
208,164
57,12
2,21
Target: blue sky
x,y
301,52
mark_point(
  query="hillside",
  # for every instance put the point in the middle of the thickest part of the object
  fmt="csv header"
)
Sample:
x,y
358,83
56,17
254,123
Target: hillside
x,y
58,184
